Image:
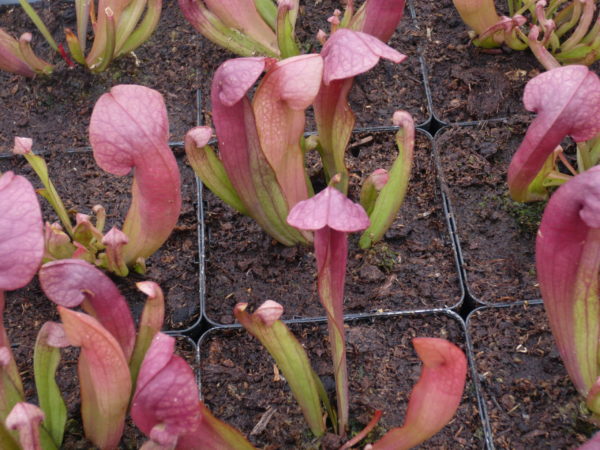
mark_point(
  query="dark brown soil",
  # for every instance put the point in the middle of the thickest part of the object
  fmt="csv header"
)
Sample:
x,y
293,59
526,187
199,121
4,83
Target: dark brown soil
x,y
238,375
55,110
412,268
468,83
497,235
81,185
530,399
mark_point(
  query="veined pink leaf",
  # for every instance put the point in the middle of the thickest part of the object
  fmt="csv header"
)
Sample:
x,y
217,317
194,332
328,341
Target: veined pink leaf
x,y
568,262
166,395
21,232
286,90
250,174
349,53
329,208
346,54
335,121
21,251
166,405
243,16
129,130
567,103
103,376
378,18
332,215
434,399
26,419
231,82
74,282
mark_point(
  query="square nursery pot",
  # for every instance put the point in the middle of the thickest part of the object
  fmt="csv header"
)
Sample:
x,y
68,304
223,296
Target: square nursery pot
x,y
375,95
241,385
529,400
378,93
495,235
413,268
175,266
468,83
55,110
22,335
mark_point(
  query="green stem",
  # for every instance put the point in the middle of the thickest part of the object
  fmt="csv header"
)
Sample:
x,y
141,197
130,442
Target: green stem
x,y
38,164
564,23
35,18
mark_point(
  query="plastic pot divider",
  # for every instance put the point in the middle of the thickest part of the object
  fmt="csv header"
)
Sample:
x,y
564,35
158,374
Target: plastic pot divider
x,y
441,324
447,239
491,394
187,329
460,231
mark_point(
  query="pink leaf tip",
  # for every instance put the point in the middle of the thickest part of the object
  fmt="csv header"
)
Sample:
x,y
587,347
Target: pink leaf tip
x,y
269,312
26,419
379,178
329,208
55,335
402,119
199,135
115,238
236,77
23,145
321,37
150,288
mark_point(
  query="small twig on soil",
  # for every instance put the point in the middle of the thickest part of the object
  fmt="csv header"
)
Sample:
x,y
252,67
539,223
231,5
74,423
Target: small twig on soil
x,y
263,422
360,142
